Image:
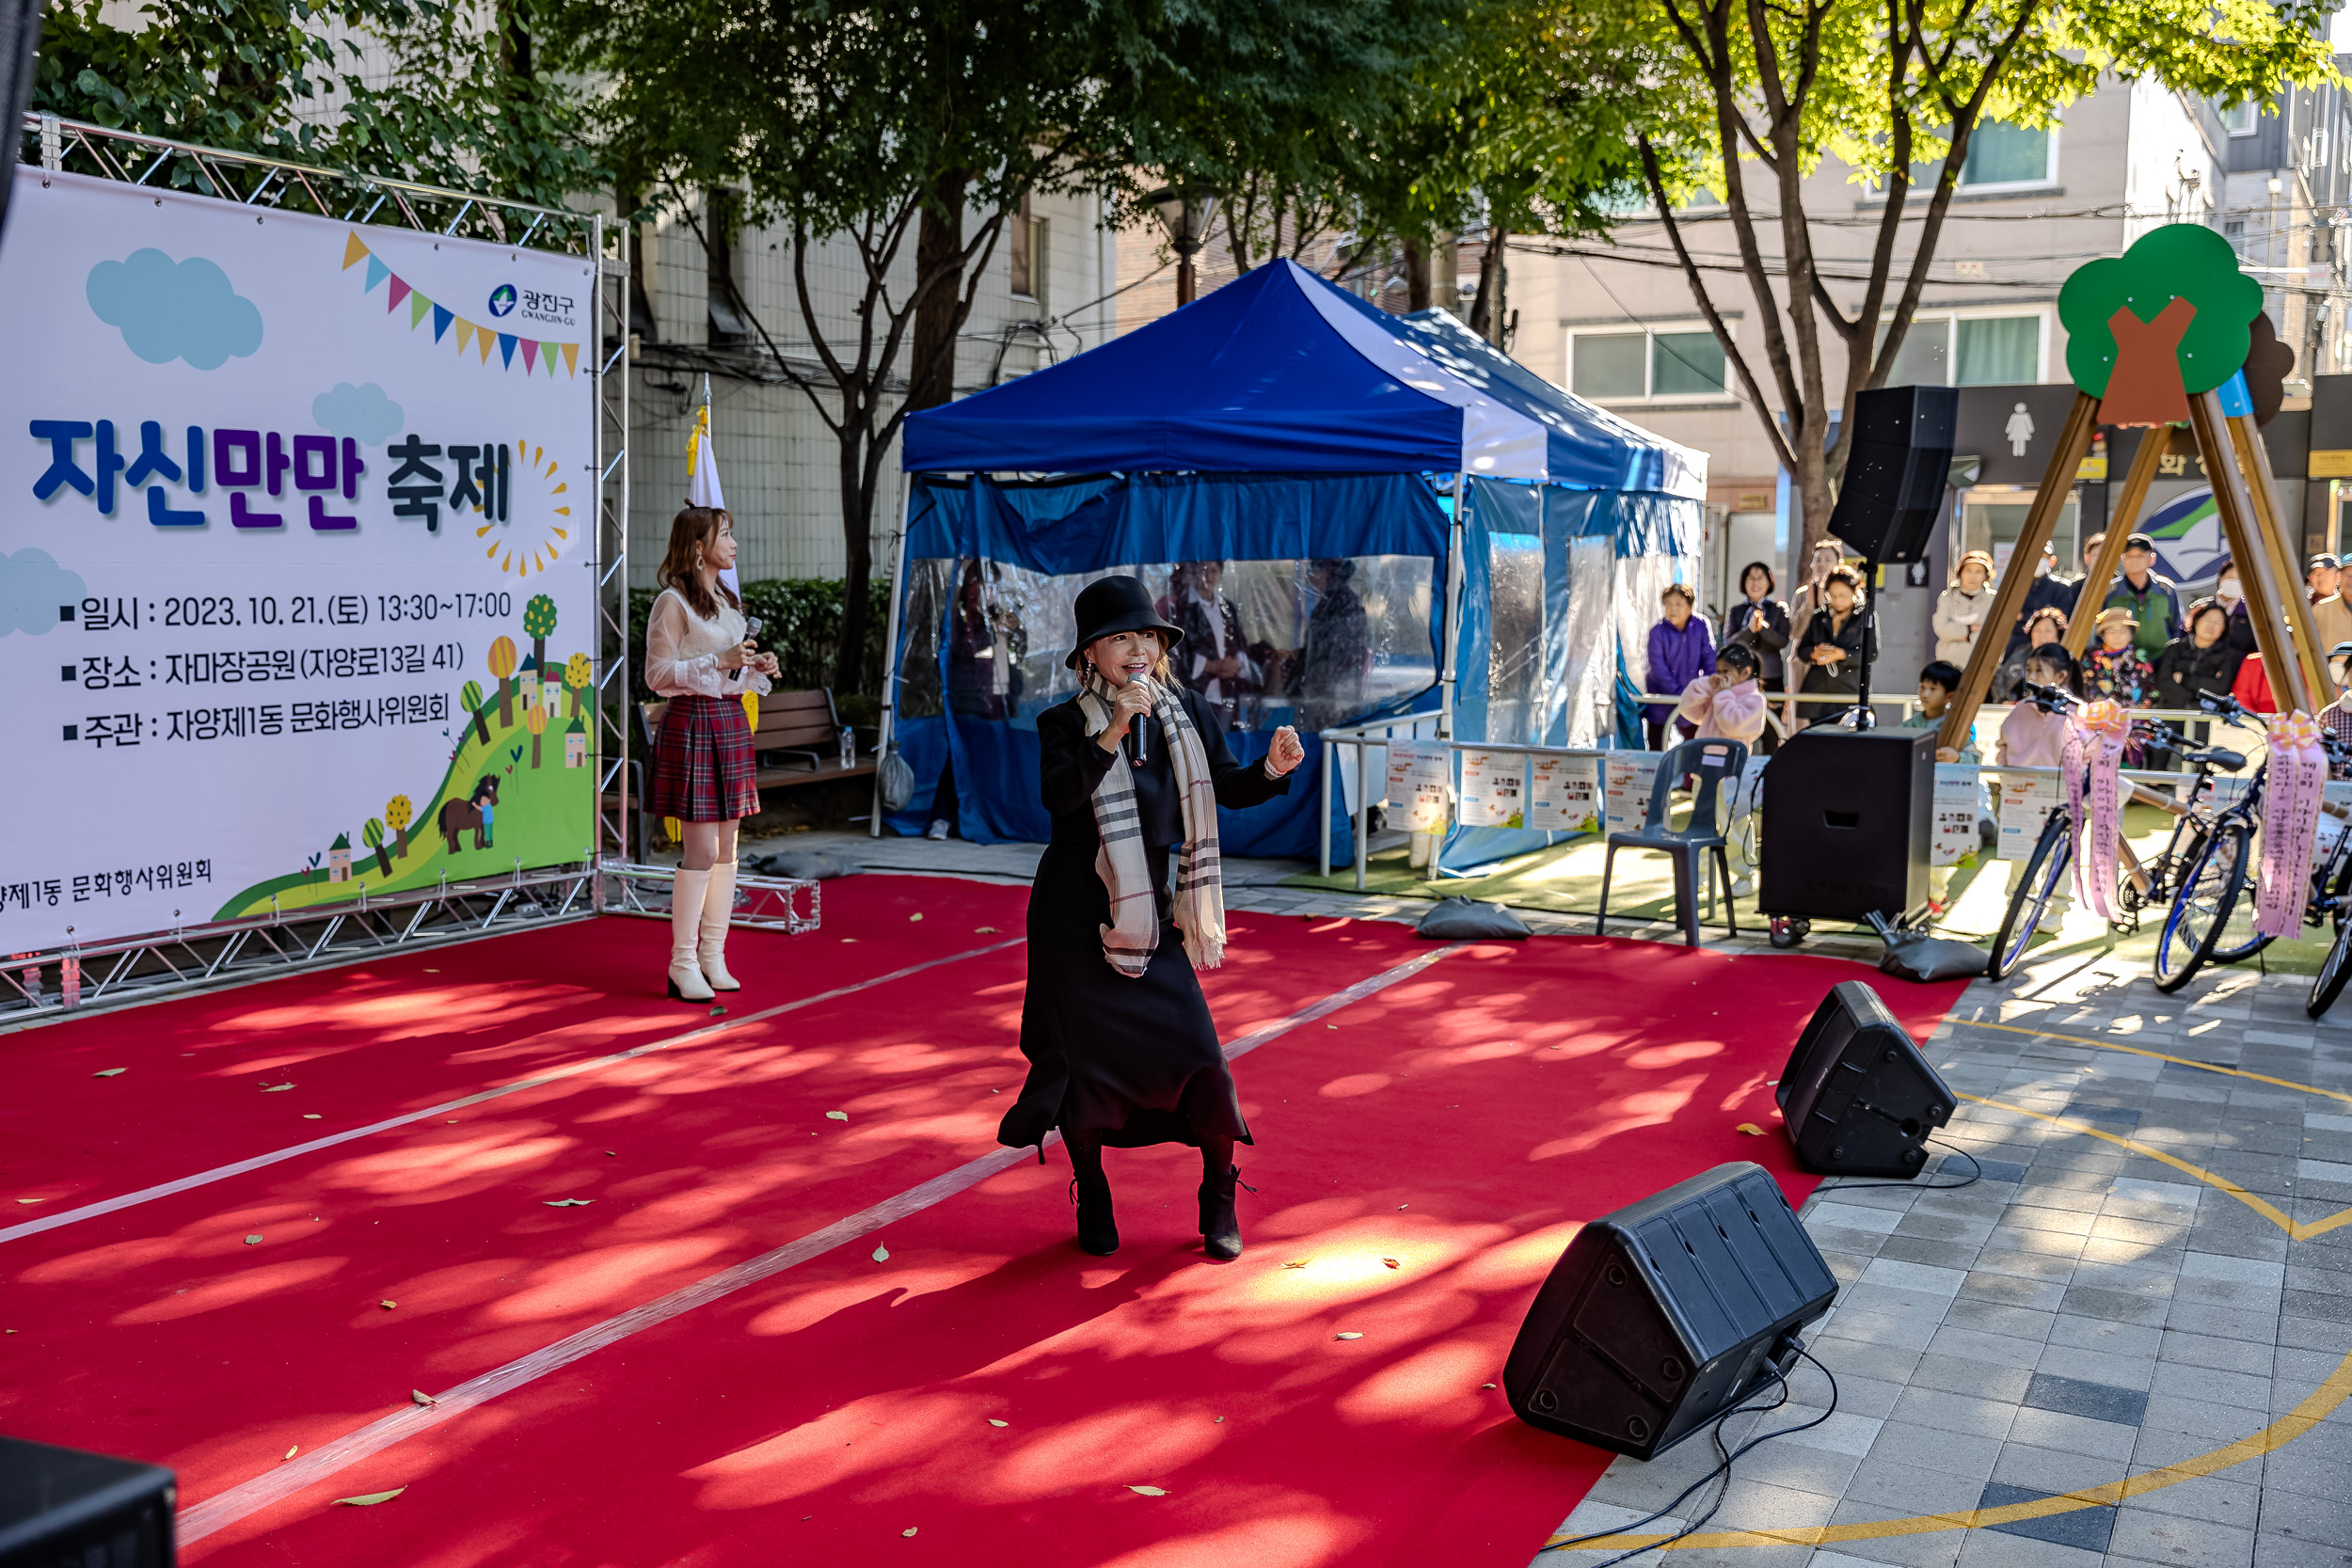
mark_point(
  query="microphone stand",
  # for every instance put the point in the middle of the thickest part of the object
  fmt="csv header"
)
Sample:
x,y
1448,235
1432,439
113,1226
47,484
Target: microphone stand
x,y
1864,718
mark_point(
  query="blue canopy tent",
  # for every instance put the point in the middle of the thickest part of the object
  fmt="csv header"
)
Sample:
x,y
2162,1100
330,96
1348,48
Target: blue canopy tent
x,y
1283,460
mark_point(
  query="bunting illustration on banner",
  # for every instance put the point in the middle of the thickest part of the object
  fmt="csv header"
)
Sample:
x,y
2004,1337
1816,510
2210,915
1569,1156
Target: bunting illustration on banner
x,y
535,354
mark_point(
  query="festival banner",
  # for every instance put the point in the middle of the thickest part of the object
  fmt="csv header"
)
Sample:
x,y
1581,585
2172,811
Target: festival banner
x,y
1494,790
297,602
1626,780
1564,794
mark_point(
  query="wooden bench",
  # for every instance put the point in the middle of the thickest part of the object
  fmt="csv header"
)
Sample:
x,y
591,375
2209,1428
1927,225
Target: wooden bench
x,y
798,741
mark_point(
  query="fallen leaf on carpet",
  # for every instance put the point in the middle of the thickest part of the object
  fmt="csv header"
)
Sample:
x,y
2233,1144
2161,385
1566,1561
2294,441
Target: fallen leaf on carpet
x,y
1300,1264
1330,1026
569,1202
882,1255
994,1422
916,915
253,1241
716,1011
1148,1491
1485,1386
37,1200
295,1450
1392,1262
983,930
309,1115
370,1499
1348,1334
836,1116
275,1088
909,1530
110,1072
1403,1206
387,1305
611,1154
1751,1129
1770,1082
849,939
421,1397
995,1091
1220,1417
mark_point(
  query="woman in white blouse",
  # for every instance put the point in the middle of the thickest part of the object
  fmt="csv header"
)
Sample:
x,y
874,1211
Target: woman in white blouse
x,y
697,655
1961,610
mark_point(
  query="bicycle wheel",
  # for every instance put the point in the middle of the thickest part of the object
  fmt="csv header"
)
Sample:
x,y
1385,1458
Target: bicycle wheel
x,y
2046,873
2236,940
2209,892
2334,971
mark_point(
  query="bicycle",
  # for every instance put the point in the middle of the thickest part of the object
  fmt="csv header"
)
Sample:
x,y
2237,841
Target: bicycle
x,y
2053,857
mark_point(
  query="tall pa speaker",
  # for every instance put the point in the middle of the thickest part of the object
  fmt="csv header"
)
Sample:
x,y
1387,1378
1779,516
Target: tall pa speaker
x,y
1896,471
1856,1097
61,1507
1659,1316
1848,822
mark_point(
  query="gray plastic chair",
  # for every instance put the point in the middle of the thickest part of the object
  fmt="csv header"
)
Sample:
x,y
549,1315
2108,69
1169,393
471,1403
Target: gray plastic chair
x,y
1713,762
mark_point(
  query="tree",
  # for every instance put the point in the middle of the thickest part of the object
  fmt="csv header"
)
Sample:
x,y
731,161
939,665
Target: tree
x,y
400,813
373,836
1745,100
536,720
502,660
470,698
539,621
577,673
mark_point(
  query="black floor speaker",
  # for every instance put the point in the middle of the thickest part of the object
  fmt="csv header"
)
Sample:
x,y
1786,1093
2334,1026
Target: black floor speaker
x,y
1856,1097
1849,818
61,1507
1661,1315
1896,471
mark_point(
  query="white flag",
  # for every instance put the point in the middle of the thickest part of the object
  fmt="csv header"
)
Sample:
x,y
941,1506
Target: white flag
x,y
702,475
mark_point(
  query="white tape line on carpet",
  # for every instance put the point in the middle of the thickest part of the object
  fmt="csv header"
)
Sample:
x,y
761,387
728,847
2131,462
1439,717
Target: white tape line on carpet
x,y
276,1486
221,1173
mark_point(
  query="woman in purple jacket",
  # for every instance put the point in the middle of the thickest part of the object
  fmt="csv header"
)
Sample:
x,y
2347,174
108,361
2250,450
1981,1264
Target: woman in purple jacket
x,y
1681,649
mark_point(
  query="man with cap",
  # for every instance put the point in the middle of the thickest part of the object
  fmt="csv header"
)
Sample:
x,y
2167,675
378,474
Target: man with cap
x,y
2155,603
2331,619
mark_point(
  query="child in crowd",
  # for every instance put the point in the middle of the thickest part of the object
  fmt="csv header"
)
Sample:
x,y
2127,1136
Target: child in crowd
x,y
1938,684
2113,669
2043,628
1729,705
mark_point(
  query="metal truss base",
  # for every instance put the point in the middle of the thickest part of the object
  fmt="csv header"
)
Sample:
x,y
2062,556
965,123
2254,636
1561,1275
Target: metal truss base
x,y
46,986
761,903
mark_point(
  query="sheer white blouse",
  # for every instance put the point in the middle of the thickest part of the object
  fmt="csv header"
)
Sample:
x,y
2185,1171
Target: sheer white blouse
x,y
682,651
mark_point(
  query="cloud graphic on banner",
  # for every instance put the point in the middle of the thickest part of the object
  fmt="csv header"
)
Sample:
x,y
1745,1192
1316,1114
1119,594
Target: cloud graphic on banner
x,y
362,412
33,588
175,310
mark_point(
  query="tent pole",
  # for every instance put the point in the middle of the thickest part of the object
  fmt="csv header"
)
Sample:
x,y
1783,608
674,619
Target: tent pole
x,y
1323,822
890,647
1450,665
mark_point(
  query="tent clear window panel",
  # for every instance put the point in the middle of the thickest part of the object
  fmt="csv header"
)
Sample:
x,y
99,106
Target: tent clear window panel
x,y
1610,364
1515,663
1685,364
1269,642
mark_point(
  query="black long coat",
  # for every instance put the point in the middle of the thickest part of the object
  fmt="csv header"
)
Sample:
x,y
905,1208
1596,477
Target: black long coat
x,y
1128,1062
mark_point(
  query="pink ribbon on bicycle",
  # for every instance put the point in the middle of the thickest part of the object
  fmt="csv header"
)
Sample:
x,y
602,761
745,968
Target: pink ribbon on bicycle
x,y
2096,734
2295,784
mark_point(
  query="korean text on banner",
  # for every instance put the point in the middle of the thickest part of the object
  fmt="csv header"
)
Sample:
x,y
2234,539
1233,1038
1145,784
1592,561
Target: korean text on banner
x,y
296,599
2026,800
1563,794
1421,783
1957,810
1494,787
1625,780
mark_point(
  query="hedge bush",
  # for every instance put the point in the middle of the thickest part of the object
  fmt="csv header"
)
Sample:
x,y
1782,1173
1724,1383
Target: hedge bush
x,y
802,624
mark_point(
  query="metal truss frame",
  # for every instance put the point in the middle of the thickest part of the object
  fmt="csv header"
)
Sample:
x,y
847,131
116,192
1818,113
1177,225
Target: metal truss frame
x,y
761,903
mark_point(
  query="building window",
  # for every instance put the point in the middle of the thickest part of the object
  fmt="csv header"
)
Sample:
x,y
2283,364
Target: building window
x,y
721,218
1969,351
2002,154
2239,119
1025,245
1644,365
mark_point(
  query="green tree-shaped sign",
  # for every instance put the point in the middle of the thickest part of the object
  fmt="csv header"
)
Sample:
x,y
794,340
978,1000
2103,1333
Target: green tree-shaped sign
x,y
471,694
538,621
2166,321
373,836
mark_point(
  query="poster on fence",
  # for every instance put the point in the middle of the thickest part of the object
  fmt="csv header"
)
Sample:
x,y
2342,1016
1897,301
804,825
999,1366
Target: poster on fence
x,y
1626,780
1494,788
296,600
1957,810
2026,802
1563,794
2335,814
1420,784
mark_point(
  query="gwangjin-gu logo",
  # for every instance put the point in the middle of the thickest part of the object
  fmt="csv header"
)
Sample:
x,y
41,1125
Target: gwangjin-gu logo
x,y
502,300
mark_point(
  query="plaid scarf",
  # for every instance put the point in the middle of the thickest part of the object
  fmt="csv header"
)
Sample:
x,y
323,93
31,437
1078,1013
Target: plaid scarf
x,y
1134,928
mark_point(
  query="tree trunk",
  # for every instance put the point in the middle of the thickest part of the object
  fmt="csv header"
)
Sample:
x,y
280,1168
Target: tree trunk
x,y
401,847
384,861
1485,317
534,748
1416,276
507,702
482,724
857,539
939,239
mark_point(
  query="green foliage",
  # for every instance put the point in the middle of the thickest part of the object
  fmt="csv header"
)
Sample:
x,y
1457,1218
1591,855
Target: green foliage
x,y
2181,261
803,618
539,616
470,695
450,100
373,835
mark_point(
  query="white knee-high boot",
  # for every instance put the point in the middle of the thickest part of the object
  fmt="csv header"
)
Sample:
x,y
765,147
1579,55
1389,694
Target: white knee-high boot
x,y
718,908
687,895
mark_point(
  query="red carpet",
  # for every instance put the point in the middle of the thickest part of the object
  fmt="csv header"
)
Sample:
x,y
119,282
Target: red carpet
x,y
1459,1123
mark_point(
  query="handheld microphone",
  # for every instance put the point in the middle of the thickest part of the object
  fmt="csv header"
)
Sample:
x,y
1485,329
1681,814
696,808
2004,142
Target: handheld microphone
x,y
1134,726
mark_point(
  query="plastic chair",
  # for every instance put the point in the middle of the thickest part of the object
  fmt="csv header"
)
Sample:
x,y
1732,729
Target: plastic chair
x,y
1713,762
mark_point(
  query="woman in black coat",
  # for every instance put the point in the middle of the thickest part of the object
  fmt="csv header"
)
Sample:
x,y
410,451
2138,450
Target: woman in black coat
x,y
1832,648
1122,1053
1760,622
2201,659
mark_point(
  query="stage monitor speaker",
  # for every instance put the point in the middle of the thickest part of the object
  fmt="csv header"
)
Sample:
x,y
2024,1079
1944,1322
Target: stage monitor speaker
x,y
1896,471
1848,821
61,1507
1856,1097
1661,1315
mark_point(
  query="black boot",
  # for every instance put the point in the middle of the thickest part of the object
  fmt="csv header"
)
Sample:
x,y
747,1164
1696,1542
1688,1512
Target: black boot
x,y
1220,1228
1098,1228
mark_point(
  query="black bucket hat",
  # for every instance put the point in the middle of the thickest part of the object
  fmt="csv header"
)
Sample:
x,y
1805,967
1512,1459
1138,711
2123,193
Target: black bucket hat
x,y
1112,605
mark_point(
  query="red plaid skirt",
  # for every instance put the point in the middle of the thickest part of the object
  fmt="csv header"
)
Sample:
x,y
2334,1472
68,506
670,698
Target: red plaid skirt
x,y
703,769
